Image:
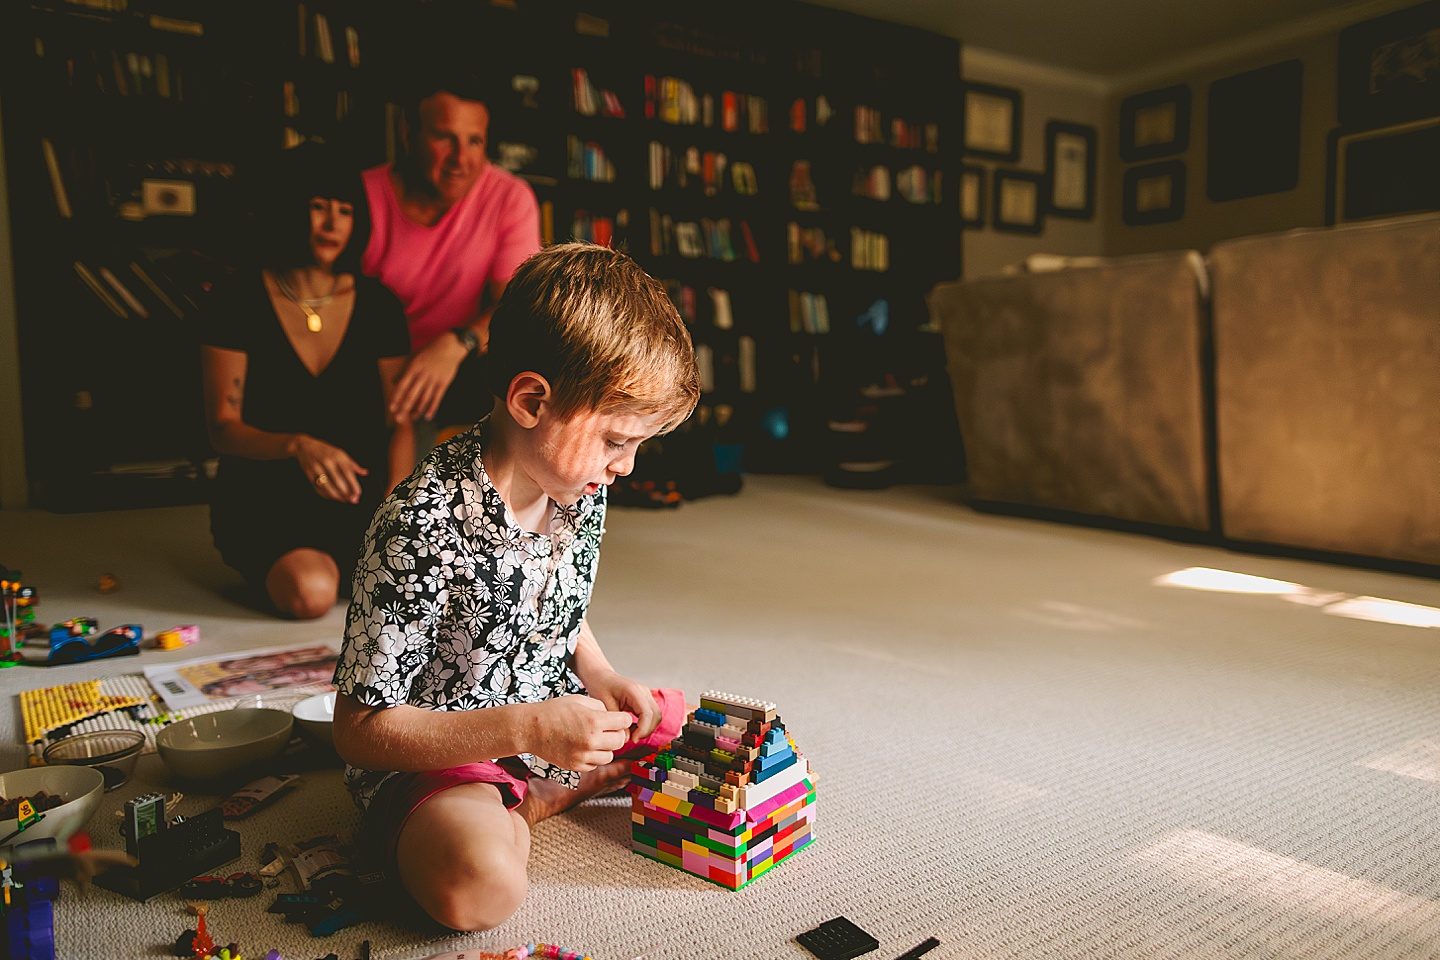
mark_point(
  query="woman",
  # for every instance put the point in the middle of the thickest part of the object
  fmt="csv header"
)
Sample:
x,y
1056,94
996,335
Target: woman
x,y
300,357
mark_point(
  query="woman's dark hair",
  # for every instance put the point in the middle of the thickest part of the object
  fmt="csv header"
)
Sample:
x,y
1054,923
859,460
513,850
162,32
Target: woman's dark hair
x,y
280,235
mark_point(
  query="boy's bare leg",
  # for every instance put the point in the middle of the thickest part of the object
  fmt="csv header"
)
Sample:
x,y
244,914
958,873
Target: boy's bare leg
x,y
545,798
462,856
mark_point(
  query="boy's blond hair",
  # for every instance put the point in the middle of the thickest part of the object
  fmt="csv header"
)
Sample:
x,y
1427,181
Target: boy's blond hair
x,y
597,327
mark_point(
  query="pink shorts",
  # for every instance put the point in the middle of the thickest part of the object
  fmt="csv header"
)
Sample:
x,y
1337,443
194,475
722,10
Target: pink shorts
x,y
402,795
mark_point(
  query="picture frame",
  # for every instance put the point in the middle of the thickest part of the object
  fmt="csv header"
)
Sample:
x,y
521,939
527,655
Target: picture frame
x,y
1155,124
1154,193
1070,170
1018,201
1252,143
1383,172
1388,69
990,121
972,197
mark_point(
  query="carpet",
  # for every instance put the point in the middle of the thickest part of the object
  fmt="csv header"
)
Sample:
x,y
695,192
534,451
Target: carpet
x,y
1023,744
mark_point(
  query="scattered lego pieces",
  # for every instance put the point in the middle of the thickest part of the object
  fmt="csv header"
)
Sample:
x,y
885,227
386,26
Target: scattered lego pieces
x,y
837,939
729,799
48,709
177,637
108,583
256,795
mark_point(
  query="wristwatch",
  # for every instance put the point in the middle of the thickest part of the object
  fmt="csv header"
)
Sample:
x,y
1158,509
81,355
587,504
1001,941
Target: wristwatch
x,y
467,336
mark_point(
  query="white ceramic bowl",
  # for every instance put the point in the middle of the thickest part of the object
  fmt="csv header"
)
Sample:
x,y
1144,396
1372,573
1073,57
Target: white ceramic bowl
x,y
315,716
228,741
80,786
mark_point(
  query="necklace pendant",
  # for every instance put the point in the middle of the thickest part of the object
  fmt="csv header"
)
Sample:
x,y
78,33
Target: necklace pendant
x,y
312,321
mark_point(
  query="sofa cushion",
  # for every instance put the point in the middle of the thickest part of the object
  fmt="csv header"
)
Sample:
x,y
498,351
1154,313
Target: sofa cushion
x,y
1081,389
1327,373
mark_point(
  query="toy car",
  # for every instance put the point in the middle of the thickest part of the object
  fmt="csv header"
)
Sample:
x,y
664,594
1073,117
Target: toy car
x,y
233,887
70,643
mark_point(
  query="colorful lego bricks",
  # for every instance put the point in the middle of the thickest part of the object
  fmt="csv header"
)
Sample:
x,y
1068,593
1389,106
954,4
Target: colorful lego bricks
x,y
729,799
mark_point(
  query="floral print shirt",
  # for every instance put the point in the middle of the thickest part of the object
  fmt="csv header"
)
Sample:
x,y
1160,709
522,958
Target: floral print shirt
x,y
455,607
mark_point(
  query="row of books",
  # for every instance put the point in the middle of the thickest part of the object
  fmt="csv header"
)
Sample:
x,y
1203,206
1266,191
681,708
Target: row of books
x,y
913,183
742,360
809,312
126,297
113,72
903,134
721,316
314,36
590,100
586,160
801,112
674,101
869,250
804,244
592,228
707,238
692,165
133,191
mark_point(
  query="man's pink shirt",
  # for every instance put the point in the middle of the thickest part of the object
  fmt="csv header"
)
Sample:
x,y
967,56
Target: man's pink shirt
x,y
440,272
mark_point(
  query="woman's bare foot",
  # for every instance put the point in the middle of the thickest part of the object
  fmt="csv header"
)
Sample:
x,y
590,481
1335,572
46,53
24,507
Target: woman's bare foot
x,y
545,798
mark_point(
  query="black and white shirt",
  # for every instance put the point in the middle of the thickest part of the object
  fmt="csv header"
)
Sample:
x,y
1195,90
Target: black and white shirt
x,y
455,607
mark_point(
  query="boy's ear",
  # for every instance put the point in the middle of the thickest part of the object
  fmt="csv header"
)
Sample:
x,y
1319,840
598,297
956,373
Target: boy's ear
x,y
527,397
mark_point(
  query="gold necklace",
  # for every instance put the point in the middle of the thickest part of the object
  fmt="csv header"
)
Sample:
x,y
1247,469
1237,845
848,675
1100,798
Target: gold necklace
x,y
313,322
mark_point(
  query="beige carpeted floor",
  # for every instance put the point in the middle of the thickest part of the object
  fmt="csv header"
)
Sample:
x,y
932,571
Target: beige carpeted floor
x,y
1024,746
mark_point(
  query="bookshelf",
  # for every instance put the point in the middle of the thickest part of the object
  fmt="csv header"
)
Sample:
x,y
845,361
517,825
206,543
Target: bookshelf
x,y
672,131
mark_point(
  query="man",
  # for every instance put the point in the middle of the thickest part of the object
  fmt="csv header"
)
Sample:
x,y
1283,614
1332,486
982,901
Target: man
x,y
449,229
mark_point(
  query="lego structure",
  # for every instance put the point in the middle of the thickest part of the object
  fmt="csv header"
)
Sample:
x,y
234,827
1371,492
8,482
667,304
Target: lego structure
x,y
729,799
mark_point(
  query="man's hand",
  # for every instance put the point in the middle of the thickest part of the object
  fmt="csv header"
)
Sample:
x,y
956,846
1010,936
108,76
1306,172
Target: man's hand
x,y
579,733
427,376
622,693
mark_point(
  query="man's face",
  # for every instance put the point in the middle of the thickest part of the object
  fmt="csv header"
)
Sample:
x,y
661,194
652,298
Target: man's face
x,y
449,147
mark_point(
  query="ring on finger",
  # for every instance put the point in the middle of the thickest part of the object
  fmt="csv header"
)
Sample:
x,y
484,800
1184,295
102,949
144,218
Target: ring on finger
x,y
321,479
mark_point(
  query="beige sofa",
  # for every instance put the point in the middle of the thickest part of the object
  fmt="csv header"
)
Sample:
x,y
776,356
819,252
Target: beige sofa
x,y
1327,387
1081,389
1086,389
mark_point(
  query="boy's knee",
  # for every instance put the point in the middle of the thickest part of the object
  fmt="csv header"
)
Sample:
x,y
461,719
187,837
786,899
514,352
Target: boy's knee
x,y
485,896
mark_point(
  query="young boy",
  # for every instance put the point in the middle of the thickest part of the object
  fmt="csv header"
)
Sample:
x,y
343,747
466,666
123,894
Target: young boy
x,y
473,698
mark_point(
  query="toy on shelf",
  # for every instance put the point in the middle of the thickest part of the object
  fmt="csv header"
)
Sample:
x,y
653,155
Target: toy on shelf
x,y
77,641
177,637
729,799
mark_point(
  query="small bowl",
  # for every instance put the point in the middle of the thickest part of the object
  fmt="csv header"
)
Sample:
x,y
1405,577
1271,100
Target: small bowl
x,y
315,717
216,744
112,752
80,787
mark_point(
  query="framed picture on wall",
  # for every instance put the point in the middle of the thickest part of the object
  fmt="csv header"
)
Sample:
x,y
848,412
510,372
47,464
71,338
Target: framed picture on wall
x,y
1388,71
990,121
972,196
1019,201
1154,193
1252,144
1155,124
1069,170
1383,173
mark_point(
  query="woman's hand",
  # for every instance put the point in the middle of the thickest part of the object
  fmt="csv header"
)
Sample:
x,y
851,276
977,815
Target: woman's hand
x,y
578,732
330,470
427,376
621,693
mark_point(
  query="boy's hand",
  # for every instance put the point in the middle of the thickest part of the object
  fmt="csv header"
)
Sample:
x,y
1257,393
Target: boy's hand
x,y
579,733
622,693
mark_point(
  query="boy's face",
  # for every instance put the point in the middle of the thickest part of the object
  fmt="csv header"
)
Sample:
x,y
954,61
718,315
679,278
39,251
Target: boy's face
x,y
578,455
